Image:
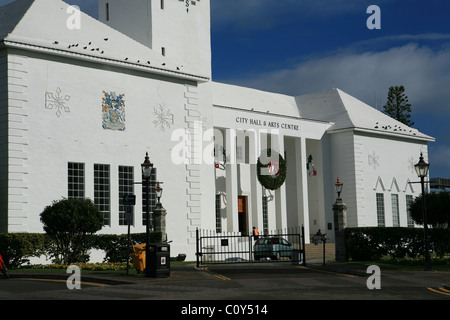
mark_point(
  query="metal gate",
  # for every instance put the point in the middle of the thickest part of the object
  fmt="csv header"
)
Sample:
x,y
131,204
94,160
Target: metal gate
x,y
222,248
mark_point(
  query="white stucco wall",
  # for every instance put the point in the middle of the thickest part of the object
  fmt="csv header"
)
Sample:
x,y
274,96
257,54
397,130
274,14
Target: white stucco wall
x,y
385,166
368,164
76,135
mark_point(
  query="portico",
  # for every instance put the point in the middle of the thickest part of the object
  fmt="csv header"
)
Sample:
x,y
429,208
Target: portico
x,y
241,136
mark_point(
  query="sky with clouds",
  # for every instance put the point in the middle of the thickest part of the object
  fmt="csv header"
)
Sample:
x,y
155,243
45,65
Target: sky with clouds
x,y
303,46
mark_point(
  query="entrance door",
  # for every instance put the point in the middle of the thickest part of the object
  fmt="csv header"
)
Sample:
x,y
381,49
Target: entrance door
x,y
242,215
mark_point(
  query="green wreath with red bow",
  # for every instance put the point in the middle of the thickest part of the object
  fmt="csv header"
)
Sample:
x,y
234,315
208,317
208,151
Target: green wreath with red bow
x,y
274,173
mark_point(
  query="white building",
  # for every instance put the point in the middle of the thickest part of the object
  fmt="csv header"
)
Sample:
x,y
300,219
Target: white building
x,y
83,100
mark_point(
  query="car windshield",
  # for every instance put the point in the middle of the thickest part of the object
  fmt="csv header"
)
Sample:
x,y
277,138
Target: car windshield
x,y
272,241
275,240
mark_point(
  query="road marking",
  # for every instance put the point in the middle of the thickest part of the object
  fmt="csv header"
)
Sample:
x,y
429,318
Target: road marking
x,y
440,291
326,271
218,276
58,280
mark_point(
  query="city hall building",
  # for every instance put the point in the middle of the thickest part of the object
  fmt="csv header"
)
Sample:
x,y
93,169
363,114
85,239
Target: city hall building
x,y
83,100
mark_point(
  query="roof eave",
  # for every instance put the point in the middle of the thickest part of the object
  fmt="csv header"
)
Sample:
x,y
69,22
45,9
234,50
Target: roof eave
x,y
421,137
103,60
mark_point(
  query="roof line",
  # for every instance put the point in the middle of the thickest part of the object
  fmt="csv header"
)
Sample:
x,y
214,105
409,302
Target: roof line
x,y
82,56
272,114
392,134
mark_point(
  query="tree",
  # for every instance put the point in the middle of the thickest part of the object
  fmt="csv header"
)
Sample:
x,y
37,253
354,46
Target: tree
x,y
438,216
397,105
69,222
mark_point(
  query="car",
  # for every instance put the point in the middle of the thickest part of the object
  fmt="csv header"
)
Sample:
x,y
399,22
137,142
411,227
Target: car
x,y
272,247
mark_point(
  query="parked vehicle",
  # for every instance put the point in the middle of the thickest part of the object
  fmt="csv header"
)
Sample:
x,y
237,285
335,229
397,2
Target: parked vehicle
x,y
272,247
3,268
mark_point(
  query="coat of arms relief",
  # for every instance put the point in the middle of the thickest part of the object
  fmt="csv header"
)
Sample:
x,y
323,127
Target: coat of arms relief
x,y
113,111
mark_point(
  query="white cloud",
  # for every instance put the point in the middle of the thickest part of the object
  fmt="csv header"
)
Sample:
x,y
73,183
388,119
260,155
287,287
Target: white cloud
x,y
424,72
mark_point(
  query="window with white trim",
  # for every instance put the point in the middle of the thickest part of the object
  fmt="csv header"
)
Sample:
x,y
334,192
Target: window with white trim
x,y
102,191
395,210
126,186
75,178
409,200
380,209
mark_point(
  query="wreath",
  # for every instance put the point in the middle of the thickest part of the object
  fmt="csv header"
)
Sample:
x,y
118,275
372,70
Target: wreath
x,y
275,171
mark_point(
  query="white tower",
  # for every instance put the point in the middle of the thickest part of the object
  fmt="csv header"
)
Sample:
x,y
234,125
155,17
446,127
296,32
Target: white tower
x,y
177,29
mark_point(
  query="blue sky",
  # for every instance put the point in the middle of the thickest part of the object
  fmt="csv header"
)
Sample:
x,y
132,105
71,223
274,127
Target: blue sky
x,y
303,46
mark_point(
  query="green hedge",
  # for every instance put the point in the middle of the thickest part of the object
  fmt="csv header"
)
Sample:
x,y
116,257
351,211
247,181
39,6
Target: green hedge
x,y
372,243
17,248
115,246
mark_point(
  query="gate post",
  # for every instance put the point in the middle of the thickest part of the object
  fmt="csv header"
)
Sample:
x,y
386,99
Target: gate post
x,y
197,254
340,223
302,237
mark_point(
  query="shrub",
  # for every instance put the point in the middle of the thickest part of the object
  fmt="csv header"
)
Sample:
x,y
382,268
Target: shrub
x,y
69,222
16,248
116,246
371,243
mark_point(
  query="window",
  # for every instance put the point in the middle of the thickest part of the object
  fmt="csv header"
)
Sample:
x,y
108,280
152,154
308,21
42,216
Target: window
x,y
409,199
126,186
152,198
75,177
380,209
102,191
395,211
107,11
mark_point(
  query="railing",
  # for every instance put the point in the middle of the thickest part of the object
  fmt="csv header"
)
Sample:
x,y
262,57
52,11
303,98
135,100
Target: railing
x,y
232,247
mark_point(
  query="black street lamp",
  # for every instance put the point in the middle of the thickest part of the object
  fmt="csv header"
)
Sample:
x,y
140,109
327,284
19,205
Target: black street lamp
x,y
147,169
422,171
158,191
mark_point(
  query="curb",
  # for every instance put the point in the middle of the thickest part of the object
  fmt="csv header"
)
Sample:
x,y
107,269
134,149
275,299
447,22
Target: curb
x,y
99,280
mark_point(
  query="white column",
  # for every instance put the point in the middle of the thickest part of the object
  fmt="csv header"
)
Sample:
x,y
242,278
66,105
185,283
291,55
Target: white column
x,y
256,192
231,181
280,193
303,202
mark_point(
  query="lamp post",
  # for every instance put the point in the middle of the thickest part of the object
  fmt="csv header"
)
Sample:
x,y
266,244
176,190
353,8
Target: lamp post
x,y
340,223
159,214
422,171
147,168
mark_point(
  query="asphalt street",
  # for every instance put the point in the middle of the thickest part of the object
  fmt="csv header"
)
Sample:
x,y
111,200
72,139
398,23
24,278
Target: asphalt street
x,y
247,284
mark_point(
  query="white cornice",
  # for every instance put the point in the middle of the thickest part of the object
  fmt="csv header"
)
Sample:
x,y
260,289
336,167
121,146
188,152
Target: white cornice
x,y
102,60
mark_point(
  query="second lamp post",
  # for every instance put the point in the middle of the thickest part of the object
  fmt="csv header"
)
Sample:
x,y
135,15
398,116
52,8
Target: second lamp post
x,y
147,170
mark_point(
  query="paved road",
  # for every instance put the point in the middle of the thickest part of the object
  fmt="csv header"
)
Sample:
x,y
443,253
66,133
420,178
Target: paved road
x,y
237,283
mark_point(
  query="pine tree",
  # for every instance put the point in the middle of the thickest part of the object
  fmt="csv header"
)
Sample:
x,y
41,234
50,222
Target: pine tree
x,y
397,105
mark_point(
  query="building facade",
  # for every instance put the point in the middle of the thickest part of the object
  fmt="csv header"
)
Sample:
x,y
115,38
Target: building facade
x,y
83,100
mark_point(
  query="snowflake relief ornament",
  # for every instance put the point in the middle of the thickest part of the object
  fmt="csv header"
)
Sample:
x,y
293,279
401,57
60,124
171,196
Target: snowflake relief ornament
x,y
164,118
57,101
373,160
